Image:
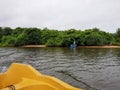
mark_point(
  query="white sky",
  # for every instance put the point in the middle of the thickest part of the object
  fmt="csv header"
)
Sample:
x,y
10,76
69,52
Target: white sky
x,y
61,14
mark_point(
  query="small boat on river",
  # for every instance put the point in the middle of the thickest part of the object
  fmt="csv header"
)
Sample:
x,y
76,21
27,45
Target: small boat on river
x,y
25,77
73,45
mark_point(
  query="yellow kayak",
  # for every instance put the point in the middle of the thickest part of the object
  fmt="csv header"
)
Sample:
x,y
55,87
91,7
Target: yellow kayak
x,y
25,77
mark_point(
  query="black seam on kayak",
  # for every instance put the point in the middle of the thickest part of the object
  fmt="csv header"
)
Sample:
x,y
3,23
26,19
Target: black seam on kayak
x,y
12,87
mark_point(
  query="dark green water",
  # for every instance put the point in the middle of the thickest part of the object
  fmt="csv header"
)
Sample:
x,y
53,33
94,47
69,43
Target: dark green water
x,y
90,69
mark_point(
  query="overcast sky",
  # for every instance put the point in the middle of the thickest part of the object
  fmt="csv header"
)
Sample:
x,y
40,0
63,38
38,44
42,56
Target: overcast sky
x,y
61,14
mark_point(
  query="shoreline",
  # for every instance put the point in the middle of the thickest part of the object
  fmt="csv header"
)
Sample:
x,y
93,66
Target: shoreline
x,y
44,46
34,46
41,46
112,46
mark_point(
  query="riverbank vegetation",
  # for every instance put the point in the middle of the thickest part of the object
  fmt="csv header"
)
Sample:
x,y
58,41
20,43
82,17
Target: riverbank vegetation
x,y
35,36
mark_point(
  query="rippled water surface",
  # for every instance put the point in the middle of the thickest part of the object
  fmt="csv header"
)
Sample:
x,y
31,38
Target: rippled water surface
x,y
90,69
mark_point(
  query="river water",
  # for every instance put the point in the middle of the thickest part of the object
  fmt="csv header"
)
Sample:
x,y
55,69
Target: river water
x,y
90,69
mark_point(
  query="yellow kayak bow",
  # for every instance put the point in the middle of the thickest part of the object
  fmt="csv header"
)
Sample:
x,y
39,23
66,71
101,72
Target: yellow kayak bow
x,y
25,77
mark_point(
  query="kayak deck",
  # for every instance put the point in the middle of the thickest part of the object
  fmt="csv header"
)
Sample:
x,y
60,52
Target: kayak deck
x,y
25,77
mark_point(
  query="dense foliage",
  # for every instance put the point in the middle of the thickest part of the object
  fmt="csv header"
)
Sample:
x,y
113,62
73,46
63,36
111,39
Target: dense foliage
x,y
34,36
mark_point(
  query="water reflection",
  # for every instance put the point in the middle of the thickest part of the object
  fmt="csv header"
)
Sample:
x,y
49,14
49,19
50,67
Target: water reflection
x,y
91,69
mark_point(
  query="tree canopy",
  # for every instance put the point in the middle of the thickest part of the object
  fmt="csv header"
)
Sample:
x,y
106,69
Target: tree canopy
x,y
35,36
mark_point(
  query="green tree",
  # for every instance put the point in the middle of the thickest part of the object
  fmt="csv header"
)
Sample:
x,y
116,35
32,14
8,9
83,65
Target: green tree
x,y
21,40
118,32
5,31
8,41
17,31
33,36
48,34
93,39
